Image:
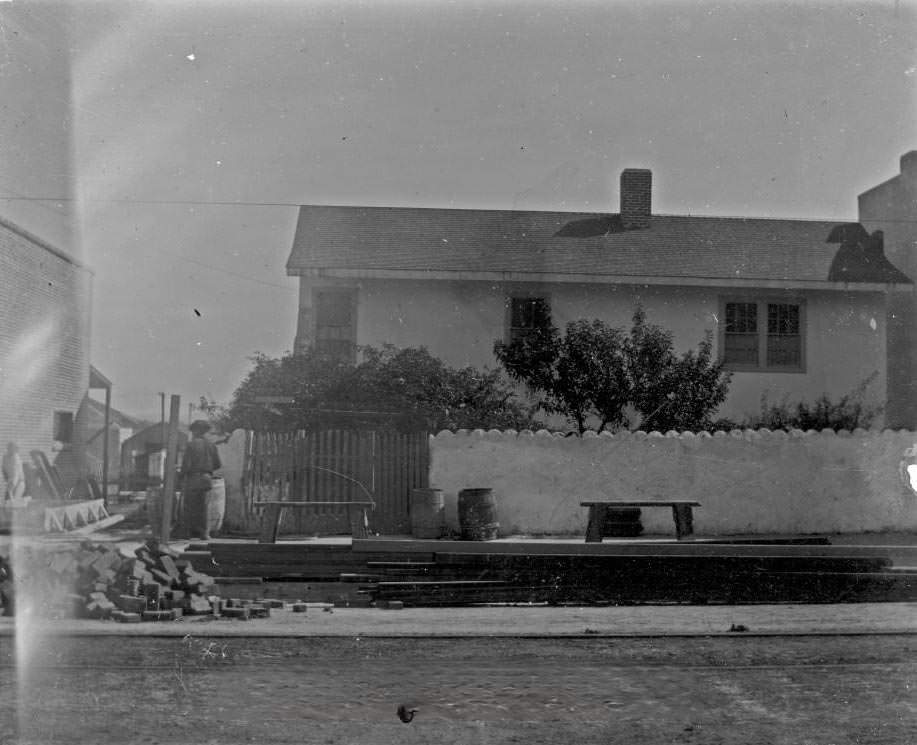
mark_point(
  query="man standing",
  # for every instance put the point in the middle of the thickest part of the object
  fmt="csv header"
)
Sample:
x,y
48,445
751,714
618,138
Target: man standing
x,y
199,463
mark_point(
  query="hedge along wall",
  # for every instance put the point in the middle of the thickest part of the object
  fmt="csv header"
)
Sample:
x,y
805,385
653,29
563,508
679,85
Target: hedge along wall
x,y
748,482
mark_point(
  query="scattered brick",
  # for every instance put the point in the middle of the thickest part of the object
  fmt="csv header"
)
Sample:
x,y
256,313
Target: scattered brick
x,y
131,603
152,592
257,610
99,608
197,604
167,563
161,577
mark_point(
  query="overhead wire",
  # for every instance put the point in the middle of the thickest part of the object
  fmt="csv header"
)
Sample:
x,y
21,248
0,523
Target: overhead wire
x,y
295,205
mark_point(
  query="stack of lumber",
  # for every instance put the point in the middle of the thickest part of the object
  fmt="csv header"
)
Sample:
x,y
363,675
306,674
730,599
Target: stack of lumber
x,y
288,561
98,581
475,578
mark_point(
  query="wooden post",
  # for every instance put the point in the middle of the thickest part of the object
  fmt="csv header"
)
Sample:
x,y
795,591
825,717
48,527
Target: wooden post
x,y
105,464
168,481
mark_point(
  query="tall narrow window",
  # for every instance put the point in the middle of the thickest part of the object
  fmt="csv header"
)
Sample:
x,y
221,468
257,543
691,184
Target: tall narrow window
x,y
526,315
760,335
741,342
335,324
784,343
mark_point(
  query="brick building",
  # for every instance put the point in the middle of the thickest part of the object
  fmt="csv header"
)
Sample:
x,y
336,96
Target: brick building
x,y
45,307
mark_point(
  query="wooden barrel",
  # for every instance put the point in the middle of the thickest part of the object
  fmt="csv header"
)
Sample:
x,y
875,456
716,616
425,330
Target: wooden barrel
x,y
477,512
428,513
215,505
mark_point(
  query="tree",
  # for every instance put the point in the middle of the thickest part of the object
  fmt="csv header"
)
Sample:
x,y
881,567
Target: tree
x,y
305,378
413,381
671,392
594,372
391,387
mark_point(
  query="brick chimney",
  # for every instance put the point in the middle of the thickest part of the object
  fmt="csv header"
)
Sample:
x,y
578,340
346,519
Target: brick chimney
x,y
636,197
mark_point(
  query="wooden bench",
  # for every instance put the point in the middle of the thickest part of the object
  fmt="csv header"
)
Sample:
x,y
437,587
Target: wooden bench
x,y
681,512
270,519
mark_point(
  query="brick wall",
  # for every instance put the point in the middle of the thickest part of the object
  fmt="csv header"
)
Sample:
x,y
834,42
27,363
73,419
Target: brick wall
x,y
45,302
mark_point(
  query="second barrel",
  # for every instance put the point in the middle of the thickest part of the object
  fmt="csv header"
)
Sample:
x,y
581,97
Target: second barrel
x,y
477,513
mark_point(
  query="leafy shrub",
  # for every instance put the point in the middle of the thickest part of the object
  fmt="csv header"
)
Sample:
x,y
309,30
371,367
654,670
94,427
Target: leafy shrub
x,y
848,412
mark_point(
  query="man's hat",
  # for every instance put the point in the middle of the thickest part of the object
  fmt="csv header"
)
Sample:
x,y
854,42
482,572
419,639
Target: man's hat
x,y
200,426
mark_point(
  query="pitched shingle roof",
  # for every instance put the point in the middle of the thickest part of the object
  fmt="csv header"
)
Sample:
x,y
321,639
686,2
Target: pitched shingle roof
x,y
489,242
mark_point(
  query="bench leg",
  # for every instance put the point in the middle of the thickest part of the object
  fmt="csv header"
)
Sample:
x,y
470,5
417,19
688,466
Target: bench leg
x,y
270,524
596,523
684,520
358,522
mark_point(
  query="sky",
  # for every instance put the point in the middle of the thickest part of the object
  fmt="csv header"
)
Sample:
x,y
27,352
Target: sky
x,y
167,144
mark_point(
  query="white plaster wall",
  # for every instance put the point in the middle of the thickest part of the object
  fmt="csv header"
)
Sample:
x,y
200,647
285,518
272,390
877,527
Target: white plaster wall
x,y
747,482
459,321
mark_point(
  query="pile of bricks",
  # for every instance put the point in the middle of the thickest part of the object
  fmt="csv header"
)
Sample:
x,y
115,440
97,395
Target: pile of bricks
x,y
98,581
87,580
155,585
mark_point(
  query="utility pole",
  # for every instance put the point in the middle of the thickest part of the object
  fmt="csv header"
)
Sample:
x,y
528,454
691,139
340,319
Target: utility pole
x,y
168,481
162,418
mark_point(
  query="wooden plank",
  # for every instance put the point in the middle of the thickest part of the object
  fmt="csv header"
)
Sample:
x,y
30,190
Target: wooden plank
x,y
48,475
105,522
313,503
647,503
630,547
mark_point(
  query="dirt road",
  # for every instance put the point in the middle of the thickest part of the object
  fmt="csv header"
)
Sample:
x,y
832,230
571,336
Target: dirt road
x,y
799,690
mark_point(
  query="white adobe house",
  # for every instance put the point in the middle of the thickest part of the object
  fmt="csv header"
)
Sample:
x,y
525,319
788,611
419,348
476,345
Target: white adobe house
x,y
797,307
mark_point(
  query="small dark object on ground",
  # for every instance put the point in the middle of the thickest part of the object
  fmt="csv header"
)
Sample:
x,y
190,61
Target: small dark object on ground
x,y
405,714
738,627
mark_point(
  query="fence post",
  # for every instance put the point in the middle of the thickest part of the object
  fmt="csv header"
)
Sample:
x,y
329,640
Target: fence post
x,y
168,483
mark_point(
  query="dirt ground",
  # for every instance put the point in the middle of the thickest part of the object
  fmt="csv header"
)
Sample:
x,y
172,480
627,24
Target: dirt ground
x,y
800,690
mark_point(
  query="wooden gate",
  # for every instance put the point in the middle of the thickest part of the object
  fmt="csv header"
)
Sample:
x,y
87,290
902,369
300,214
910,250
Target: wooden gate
x,y
337,465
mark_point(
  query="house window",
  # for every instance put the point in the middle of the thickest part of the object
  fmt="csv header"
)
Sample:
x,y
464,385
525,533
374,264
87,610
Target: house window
x,y
527,314
335,324
761,335
63,426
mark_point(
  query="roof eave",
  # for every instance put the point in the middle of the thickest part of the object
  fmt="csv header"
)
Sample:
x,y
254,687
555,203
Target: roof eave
x,y
606,279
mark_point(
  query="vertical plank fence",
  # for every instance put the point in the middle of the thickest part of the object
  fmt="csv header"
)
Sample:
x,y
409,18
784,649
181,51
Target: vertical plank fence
x,y
335,465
